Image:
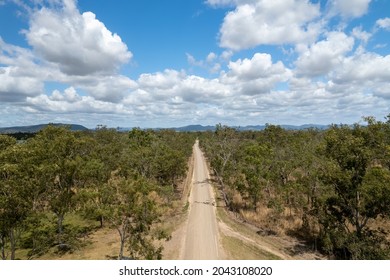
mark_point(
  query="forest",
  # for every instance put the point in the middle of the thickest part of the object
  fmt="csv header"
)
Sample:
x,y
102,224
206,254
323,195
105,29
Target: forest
x,y
329,187
100,178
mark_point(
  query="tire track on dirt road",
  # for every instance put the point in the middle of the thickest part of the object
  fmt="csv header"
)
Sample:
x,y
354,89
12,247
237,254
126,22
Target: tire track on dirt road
x,y
201,241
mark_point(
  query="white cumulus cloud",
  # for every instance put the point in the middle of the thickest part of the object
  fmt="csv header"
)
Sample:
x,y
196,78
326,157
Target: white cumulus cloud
x,y
360,34
110,88
178,87
78,43
384,23
259,66
257,75
20,76
269,22
350,8
321,57
14,88
366,69
70,101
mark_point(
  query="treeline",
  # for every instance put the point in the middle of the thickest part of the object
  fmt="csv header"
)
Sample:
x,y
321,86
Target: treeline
x,y
330,187
126,181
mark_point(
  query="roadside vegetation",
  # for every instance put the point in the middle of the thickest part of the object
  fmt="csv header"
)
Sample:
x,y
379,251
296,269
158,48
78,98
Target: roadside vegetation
x,y
329,188
58,187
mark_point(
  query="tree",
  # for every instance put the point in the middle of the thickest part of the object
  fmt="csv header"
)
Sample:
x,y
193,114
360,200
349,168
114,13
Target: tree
x,y
360,190
15,200
60,158
220,148
132,211
140,155
226,142
108,150
169,165
256,167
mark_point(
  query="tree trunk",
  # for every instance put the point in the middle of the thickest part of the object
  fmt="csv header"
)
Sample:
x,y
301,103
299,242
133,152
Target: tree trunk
x,y
3,256
122,244
267,188
12,242
60,220
121,248
101,220
357,215
122,233
227,203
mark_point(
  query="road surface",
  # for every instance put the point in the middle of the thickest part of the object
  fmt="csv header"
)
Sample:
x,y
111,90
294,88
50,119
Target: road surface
x,y
201,241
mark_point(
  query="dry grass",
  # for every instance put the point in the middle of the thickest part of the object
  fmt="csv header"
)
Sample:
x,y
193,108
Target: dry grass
x,y
240,250
240,240
270,221
103,244
261,234
382,225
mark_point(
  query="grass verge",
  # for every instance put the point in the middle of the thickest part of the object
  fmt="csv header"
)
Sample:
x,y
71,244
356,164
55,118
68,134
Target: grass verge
x,y
237,249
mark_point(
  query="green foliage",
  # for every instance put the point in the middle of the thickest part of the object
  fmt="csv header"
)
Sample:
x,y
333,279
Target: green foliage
x,y
376,192
255,169
140,138
341,244
101,177
40,234
62,159
6,142
15,202
336,181
132,206
361,190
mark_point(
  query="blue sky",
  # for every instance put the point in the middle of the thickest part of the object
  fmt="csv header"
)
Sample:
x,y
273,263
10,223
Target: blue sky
x,y
153,63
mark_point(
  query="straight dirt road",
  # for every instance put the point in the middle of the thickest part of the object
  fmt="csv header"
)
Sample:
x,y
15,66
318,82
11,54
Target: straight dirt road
x,y
199,236
201,241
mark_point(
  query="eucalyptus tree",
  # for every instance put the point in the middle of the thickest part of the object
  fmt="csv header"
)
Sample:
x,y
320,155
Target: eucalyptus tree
x,y
133,209
60,159
255,165
361,190
15,198
220,148
106,158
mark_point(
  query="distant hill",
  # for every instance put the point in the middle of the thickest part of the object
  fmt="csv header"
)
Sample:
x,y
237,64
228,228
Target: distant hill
x,y
251,127
36,128
195,128
190,128
200,128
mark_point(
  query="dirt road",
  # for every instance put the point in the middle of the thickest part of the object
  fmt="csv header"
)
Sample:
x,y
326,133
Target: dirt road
x,y
201,241
200,235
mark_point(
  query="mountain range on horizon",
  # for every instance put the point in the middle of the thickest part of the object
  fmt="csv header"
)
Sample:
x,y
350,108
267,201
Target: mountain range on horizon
x,y
188,128
38,127
251,127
